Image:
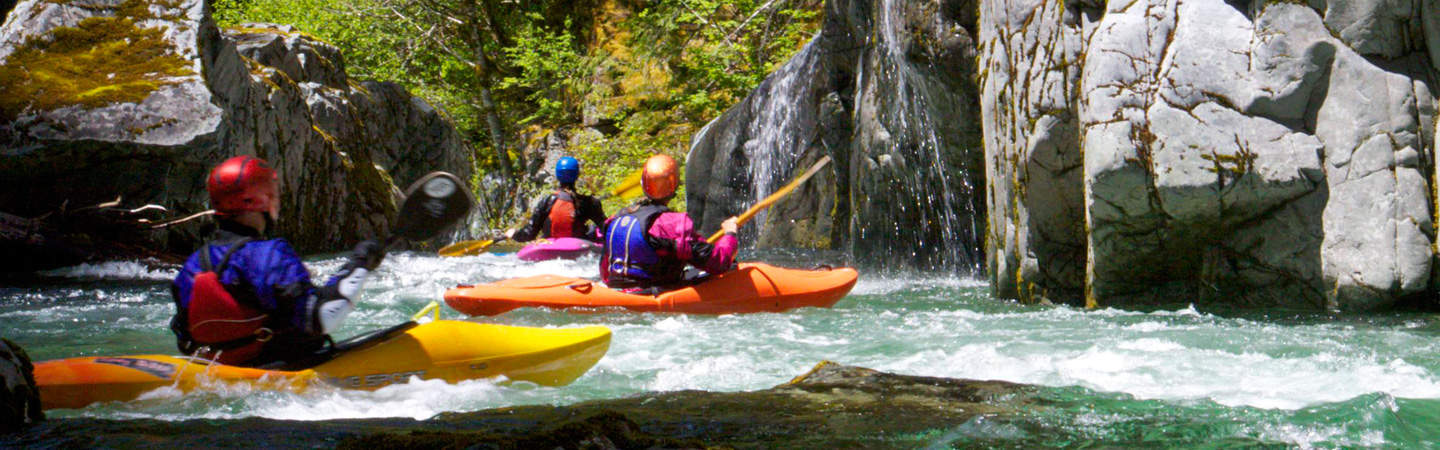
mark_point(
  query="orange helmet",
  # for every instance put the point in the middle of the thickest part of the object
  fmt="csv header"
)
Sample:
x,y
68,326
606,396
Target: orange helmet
x,y
241,184
661,177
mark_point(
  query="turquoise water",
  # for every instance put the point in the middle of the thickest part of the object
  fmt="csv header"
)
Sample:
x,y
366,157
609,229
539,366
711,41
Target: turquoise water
x,y
1178,376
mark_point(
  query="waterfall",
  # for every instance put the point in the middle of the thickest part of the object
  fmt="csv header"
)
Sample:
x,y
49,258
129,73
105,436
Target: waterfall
x,y
778,135
937,211
893,100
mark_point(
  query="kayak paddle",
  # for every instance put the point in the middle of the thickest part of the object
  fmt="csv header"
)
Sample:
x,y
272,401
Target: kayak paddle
x,y
432,204
627,189
779,194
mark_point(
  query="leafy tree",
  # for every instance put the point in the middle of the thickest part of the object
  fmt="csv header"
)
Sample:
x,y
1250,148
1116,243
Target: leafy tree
x,y
622,78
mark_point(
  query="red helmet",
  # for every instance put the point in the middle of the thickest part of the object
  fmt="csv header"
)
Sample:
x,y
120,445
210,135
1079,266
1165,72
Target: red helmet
x,y
242,183
661,177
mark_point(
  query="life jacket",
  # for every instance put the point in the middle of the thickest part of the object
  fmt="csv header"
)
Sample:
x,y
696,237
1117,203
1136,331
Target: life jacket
x,y
562,215
233,332
630,258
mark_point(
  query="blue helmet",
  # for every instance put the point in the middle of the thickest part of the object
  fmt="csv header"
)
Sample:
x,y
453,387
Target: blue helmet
x,y
567,170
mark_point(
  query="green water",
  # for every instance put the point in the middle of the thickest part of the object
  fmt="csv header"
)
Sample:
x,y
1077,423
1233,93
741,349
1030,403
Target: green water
x,y
1179,376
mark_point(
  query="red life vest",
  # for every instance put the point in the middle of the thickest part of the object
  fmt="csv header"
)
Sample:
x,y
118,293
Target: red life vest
x,y
233,332
562,215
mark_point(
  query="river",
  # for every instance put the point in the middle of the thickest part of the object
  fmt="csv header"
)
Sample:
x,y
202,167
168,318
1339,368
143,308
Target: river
x,y
1178,375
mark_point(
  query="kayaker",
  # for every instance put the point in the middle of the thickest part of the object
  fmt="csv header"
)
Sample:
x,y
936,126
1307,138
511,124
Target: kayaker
x,y
245,298
647,246
564,213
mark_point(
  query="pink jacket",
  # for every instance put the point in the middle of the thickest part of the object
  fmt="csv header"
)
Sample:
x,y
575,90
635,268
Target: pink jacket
x,y
678,228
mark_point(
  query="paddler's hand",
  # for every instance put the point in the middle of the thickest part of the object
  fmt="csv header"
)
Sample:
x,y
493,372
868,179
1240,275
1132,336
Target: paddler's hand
x,y
731,225
510,234
368,254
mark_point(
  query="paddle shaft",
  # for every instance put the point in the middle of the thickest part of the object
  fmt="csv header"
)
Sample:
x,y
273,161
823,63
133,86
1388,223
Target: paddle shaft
x,y
773,198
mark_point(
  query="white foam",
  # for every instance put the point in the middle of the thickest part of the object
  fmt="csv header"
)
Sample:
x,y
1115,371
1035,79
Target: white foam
x,y
880,285
116,270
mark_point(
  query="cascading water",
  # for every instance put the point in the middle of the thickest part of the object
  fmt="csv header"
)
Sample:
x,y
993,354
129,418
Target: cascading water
x,y
922,171
776,131
900,124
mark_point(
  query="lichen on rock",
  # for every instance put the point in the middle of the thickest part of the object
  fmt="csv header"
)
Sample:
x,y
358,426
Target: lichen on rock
x,y
99,61
139,98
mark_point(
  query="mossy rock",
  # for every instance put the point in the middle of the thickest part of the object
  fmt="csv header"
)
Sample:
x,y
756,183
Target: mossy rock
x,y
100,61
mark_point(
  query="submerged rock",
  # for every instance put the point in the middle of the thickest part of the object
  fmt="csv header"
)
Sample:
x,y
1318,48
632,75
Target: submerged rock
x,y
19,398
833,406
139,98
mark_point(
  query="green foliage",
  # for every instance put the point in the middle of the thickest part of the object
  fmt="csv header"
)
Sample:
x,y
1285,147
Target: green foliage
x,y
646,75
550,68
720,49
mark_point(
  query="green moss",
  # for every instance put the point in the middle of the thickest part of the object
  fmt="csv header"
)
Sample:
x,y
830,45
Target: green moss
x,y
100,61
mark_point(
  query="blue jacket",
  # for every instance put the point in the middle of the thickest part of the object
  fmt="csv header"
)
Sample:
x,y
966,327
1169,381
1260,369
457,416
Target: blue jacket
x,y
268,275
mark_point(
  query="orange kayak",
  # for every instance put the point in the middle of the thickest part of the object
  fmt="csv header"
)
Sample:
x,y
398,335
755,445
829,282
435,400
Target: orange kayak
x,y
754,287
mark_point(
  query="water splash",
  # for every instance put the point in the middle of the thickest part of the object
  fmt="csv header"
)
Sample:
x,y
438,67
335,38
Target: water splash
x,y
932,218
777,132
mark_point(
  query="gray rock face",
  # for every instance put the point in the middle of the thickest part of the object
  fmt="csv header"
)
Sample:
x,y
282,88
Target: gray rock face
x,y
756,146
886,89
1248,154
1035,239
341,146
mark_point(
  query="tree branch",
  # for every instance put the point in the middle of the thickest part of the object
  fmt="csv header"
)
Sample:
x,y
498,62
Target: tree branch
x,y
748,19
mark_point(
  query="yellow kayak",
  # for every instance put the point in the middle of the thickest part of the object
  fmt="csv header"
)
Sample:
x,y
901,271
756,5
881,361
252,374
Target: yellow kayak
x,y
446,350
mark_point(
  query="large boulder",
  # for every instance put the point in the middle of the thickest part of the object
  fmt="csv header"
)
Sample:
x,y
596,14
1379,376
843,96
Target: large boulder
x,y
1265,154
139,98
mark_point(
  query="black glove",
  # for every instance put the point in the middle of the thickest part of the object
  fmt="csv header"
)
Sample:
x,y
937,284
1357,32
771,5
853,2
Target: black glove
x,y
367,254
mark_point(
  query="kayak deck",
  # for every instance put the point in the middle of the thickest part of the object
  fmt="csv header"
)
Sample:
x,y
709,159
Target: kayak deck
x,y
557,248
754,287
452,351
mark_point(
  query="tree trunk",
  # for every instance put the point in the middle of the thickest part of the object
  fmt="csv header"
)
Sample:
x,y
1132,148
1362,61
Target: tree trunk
x,y
492,114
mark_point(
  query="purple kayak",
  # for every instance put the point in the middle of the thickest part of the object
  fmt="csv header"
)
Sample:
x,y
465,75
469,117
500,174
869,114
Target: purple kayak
x,y
569,248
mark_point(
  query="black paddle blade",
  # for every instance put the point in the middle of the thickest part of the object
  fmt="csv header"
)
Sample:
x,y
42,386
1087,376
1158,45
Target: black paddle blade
x,y
431,205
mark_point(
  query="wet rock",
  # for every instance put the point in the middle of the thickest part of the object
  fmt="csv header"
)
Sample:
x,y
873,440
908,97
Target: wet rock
x,y
173,95
833,406
19,399
883,81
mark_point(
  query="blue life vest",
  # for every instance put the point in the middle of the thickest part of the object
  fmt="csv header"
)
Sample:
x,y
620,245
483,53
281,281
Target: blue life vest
x,y
630,258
